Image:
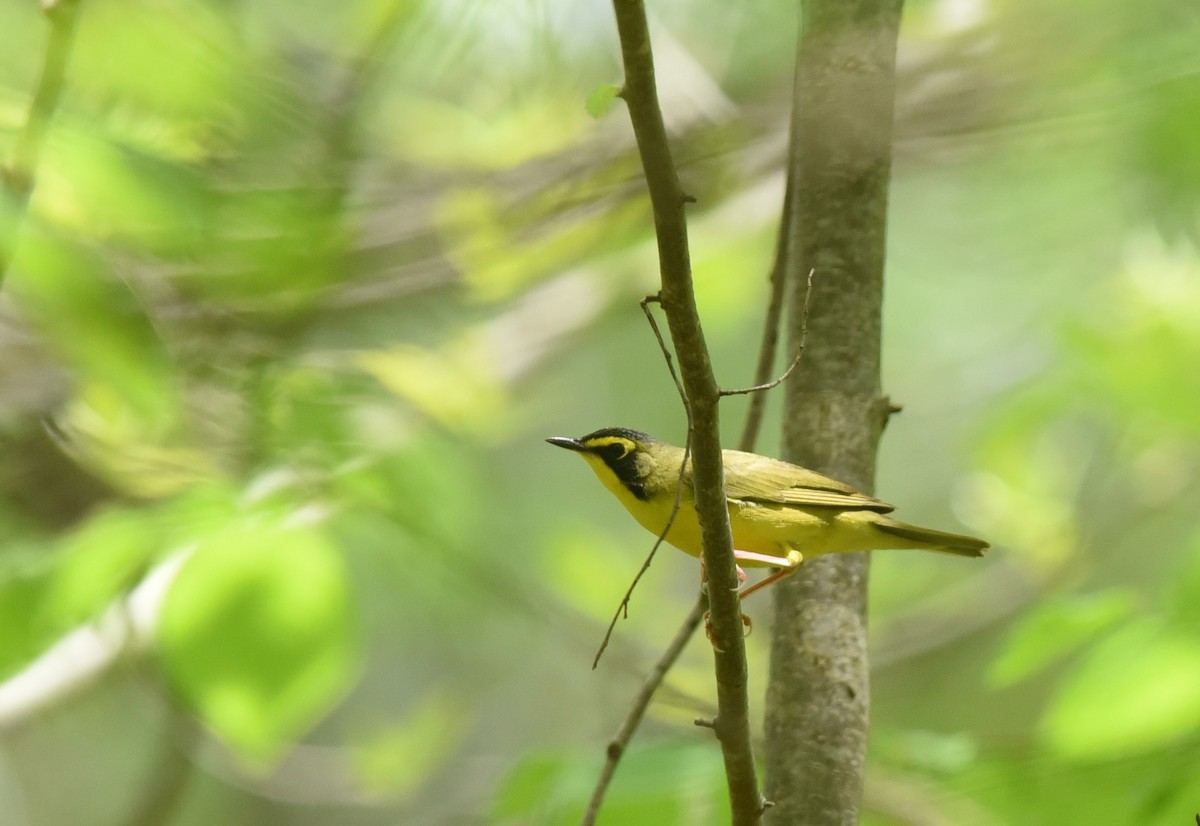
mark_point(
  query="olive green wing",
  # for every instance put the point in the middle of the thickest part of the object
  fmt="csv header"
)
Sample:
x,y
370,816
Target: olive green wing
x,y
754,478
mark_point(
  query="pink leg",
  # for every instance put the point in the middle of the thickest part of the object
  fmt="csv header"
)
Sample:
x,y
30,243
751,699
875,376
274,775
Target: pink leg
x,y
741,575
787,566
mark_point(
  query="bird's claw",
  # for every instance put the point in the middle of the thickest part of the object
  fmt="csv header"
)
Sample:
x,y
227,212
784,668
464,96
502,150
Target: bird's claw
x,y
747,628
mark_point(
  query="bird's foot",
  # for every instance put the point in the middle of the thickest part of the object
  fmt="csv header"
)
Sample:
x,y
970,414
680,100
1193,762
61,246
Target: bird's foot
x,y
747,626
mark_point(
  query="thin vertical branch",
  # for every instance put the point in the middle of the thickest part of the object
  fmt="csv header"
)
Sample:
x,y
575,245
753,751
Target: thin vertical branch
x,y
667,198
770,334
18,176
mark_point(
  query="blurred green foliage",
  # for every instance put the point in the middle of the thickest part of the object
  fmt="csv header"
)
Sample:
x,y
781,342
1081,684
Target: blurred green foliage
x,y
301,287
255,633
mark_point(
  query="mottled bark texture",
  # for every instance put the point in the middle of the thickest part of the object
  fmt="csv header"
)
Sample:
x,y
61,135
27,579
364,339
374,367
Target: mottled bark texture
x,y
818,696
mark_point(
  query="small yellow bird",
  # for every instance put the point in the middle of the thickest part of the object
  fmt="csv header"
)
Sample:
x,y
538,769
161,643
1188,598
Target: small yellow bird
x,y
776,509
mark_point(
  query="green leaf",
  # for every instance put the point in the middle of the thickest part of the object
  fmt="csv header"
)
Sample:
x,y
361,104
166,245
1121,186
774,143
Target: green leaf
x,y
24,583
131,450
532,787
397,759
935,751
95,322
1137,690
256,634
1181,597
506,131
1055,629
680,782
1164,154
454,385
186,64
99,188
600,99
102,560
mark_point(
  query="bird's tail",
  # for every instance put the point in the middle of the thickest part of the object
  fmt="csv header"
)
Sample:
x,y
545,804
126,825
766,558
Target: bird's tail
x,y
929,539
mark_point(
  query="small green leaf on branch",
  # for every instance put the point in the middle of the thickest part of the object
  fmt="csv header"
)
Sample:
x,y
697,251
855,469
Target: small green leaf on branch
x,y
600,99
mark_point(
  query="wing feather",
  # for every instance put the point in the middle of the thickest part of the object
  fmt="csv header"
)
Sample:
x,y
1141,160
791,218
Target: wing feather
x,y
754,478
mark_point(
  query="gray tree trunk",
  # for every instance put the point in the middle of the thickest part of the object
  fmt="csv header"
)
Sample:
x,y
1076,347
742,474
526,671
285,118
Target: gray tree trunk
x,y
839,166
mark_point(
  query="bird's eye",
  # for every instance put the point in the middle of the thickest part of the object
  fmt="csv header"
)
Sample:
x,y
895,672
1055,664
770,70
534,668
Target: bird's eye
x,y
616,450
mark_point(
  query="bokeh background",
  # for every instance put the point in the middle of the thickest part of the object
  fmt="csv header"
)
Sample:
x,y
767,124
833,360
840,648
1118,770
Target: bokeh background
x,y
303,286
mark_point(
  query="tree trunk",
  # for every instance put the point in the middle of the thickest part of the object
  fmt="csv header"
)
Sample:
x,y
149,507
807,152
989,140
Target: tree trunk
x,y
839,165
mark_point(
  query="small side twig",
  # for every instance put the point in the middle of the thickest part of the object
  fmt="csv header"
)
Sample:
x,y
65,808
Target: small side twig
x,y
769,385
666,351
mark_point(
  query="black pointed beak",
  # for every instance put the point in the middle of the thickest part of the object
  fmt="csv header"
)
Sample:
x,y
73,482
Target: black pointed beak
x,y
568,443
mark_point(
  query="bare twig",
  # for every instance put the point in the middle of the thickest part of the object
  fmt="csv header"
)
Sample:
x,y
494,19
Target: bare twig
x,y
666,351
616,747
769,385
18,176
732,725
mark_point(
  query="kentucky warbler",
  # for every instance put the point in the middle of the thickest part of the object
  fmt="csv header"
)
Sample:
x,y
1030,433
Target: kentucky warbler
x,y
776,510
